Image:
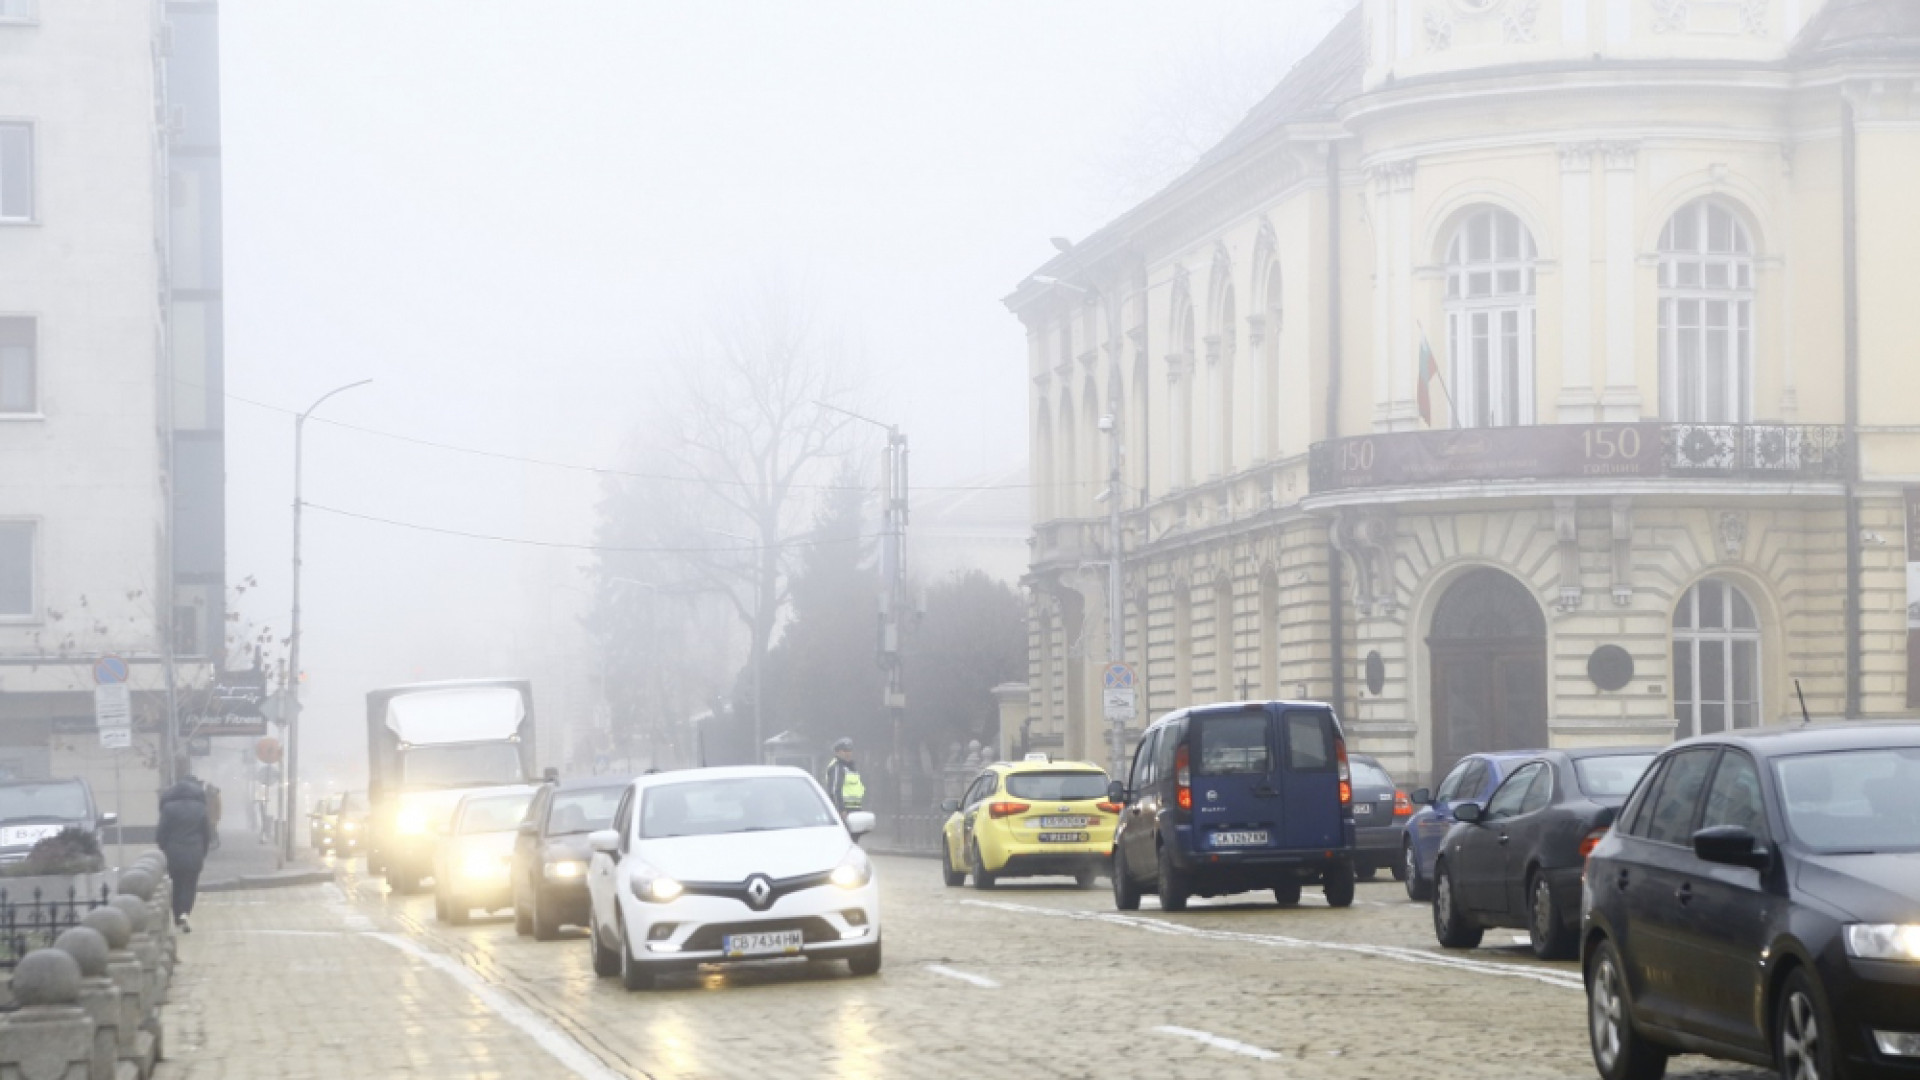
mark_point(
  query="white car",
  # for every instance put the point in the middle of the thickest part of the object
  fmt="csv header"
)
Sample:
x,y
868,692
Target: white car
x,y
708,866
475,853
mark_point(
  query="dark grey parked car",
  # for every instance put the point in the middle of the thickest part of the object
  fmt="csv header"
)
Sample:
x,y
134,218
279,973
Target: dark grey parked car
x,y
32,810
1380,813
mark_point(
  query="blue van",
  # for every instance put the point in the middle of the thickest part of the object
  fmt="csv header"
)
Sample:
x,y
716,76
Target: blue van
x,y
1231,798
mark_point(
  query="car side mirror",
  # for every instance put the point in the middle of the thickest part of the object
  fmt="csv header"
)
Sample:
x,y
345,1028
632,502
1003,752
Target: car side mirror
x,y
1469,812
861,822
1116,792
1731,845
1421,797
951,806
109,819
605,841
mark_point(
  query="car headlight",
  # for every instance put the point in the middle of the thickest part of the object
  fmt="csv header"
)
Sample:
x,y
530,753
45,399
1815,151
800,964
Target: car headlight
x,y
410,822
1883,941
565,868
653,886
483,867
854,871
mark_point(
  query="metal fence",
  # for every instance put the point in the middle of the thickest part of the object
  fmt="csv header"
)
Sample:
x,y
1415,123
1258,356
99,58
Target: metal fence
x,y
907,834
33,921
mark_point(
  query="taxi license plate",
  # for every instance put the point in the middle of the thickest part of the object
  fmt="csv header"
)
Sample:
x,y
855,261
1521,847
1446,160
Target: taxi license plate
x,y
1362,810
1255,838
1063,838
765,943
1064,823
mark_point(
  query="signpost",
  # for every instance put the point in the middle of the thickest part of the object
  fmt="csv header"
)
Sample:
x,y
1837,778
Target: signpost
x,y
1118,703
113,715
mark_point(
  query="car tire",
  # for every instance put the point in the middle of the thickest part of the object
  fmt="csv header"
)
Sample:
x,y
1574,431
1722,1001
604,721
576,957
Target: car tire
x,y
1618,1050
1173,887
1400,870
1450,924
522,920
1552,938
1287,894
544,927
865,961
1338,885
953,878
442,911
403,884
1418,888
458,912
981,878
1126,891
1086,877
606,962
1802,1030
633,974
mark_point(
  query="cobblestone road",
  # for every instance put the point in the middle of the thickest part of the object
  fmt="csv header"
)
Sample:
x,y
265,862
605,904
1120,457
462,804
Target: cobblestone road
x,y
1038,980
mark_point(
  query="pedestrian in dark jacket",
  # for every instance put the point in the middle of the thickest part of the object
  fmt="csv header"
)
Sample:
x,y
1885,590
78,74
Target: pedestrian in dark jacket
x,y
185,834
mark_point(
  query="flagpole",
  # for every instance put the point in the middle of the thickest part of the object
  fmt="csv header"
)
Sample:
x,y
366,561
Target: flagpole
x,y
1452,412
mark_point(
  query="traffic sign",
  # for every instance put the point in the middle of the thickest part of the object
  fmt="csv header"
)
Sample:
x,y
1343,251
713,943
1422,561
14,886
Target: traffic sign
x,y
1118,704
116,738
1118,676
108,670
112,705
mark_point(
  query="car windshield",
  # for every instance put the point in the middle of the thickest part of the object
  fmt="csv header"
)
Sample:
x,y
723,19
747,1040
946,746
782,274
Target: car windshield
x,y
1367,774
61,800
495,813
1853,800
582,811
461,765
1612,776
1050,786
745,804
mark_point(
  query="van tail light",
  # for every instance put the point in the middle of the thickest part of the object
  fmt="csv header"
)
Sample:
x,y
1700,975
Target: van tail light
x,y
1182,778
1346,772
1402,806
1007,809
1592,841
1108,807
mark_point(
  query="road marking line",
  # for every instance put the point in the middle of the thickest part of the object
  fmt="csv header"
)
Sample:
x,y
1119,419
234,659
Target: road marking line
x,y
980,981
1231,1046
1563,980
544,1034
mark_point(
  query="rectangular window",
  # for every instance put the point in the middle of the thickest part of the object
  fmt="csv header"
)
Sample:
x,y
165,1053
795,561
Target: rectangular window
x,y
16,172
1234,745
17,375
1309,741
16,569
19,10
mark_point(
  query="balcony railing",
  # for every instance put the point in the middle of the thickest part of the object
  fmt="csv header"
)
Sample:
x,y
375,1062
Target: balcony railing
x,y
1590,452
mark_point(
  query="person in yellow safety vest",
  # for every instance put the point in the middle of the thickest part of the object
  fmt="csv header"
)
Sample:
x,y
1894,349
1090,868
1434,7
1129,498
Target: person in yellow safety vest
x,y
842,781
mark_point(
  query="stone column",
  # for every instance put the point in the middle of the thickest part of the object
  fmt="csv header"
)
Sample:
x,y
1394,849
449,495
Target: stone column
x,y
1577,402
1621,401
1011,700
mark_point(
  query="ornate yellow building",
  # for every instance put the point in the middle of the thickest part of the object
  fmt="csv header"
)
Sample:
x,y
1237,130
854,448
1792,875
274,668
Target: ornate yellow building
x,y
1653,476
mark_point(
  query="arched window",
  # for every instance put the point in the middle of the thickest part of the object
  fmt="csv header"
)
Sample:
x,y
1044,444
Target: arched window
x,y
1716,660
1066,481
1706,316
1180,402
1491,320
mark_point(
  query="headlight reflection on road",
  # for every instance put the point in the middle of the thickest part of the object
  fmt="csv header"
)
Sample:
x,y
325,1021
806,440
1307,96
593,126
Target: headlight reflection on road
x,y
853,1040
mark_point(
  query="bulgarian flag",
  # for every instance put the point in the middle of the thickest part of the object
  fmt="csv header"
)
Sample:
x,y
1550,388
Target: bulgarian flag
x,y
1429,371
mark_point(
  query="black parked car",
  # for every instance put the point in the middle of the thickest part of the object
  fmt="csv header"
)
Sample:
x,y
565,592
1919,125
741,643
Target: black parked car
x,y
32,810
1380,813
1759,900
550,855
1517,860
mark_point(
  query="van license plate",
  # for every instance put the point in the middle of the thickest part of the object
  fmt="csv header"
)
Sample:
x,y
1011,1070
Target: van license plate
x,y
1063,838
1361,809
1240,839
1064,823
767,943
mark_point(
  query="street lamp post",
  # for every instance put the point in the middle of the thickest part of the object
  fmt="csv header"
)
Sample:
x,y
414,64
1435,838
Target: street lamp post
x,y
291,784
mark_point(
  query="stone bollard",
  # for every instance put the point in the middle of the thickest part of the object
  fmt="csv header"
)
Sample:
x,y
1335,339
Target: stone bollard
x,y
144,886
49,1037
136,1045
98,996
141,945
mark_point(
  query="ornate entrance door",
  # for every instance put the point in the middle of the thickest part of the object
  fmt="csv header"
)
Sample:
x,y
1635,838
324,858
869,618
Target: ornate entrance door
x,y
1489,653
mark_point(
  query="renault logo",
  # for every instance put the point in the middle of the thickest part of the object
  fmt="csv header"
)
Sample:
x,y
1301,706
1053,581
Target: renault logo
x,y
759,891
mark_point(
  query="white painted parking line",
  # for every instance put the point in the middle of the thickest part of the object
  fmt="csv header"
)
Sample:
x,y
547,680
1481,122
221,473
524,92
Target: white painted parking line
x,y
1563,979
980,981
1231,1046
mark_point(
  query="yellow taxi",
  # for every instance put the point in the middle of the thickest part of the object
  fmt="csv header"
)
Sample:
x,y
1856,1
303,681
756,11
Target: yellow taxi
x,y
1030,818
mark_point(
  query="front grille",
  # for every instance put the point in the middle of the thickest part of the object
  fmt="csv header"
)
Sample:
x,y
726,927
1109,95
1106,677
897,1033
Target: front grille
x,y
707,938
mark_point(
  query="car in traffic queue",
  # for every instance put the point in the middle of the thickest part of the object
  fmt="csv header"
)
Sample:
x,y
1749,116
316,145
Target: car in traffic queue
x,y
34,810
1235,797
1029,818
338,824
722,865
1380,812
1759,901
1472,779
473,860
550,854
1517,861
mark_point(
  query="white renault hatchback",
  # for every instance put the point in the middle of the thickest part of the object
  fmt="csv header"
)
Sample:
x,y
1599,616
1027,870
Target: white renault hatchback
x,y
709,866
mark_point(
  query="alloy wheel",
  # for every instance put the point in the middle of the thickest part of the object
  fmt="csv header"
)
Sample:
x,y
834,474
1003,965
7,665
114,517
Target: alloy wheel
x,y
1443,898
1543,920
1606,1013
1800,1038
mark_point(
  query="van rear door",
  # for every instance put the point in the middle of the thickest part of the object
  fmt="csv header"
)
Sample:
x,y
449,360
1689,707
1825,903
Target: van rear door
x,y
1234,761
1310,779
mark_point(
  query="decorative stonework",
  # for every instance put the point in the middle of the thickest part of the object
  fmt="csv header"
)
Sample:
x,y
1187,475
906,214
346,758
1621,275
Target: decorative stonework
x,y
1566,534
1213,349
1439,30
1393,176
1622,563
1670,16
1577,157
1753,17
1620,154
1733,533
1256,330
1517,24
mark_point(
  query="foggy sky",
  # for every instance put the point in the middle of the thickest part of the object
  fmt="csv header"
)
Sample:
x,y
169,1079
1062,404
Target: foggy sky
x,y
502,211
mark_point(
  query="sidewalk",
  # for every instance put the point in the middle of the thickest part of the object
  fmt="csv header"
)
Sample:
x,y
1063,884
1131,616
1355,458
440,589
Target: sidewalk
x,y
243,862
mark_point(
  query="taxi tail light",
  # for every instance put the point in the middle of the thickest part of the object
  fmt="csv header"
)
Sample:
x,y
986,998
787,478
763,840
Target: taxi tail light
x,y
1007,809
1182,778
1108,807
1592,840
1346,773
1402,806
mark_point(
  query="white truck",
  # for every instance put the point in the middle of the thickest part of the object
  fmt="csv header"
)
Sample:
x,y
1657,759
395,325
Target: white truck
x,y
429,744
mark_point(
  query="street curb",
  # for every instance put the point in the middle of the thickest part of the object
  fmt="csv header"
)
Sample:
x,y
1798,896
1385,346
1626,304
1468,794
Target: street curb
x,y
277,880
